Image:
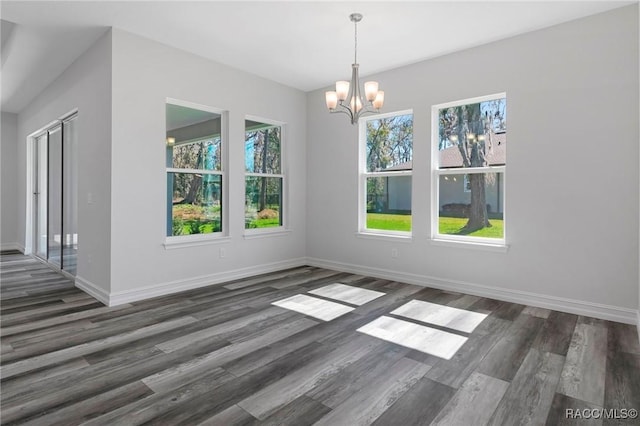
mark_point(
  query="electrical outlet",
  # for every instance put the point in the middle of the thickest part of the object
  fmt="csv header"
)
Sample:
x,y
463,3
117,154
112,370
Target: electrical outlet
x,y
223,253
89,198
394,253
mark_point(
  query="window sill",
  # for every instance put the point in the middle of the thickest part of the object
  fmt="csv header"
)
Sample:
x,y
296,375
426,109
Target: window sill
x,y
498,248
185,241
265,233
400,237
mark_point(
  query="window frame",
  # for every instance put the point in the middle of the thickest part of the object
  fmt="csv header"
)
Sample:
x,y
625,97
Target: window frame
x,y
284,227
178,241
363,175
436,172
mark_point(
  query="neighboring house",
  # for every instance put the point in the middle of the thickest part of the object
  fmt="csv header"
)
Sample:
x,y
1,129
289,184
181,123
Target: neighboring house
x,y
456,191
396,194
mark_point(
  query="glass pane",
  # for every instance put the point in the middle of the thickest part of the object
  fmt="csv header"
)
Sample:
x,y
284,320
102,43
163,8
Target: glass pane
x,y
69,194
193,138
473,135
54,193
471,205
262,148
389,203
202,155
390,143
41,196
263,204
196,203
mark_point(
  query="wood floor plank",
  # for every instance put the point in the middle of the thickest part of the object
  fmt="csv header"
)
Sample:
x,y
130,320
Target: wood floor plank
x,y
622,338
455,371
357,376
92,407
327,333
365,406
17,384
10,370
217,330
61,319
216,400
583,376
301,411
153,406
506,357
563,412
270,399
474,402
233,415
556,333
464,301
528,398
172,377
622,385
418,406
536,312
266,279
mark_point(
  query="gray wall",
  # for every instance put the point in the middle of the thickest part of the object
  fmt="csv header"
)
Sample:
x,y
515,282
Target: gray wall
x,y
9,238
140,264
572,226
85,85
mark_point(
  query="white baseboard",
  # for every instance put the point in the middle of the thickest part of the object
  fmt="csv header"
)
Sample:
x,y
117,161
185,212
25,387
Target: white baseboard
x,y
93,290
579,307
122,297
11,246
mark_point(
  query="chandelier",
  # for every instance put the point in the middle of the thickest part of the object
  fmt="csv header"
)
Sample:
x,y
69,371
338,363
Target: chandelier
x,y
347,97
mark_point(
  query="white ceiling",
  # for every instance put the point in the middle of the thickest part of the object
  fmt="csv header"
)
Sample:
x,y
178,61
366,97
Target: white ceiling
x,y
306,45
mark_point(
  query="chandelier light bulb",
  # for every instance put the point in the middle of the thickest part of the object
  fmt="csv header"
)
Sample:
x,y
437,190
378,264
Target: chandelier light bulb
x,y
342,89
332,100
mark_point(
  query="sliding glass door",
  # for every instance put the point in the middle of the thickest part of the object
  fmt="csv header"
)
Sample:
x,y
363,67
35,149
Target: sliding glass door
x,y
69,194
40,195
55,195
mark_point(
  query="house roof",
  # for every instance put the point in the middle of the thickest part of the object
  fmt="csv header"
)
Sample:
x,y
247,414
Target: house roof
x,y
496,153
451,158
408,165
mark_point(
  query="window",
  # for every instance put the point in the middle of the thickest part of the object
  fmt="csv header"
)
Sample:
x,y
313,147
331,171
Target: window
x,y
195,178
469,164
264,178
386,156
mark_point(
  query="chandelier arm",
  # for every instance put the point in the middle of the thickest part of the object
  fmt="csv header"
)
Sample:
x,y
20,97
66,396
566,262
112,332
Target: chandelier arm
x,y
344,109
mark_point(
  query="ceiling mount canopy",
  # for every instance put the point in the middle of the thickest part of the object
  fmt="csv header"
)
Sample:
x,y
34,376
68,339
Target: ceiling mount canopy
x,y
347,98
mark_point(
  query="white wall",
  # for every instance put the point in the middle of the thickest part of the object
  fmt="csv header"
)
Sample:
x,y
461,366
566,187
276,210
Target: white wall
x,y
85,85
9,209
145,73
572,170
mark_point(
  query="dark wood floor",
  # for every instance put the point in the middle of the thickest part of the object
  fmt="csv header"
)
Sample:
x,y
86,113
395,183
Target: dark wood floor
x,y
222,354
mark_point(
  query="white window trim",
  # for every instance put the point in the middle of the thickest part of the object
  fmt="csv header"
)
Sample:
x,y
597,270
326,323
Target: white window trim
x,y
273,231
363,174
436,238
181,241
